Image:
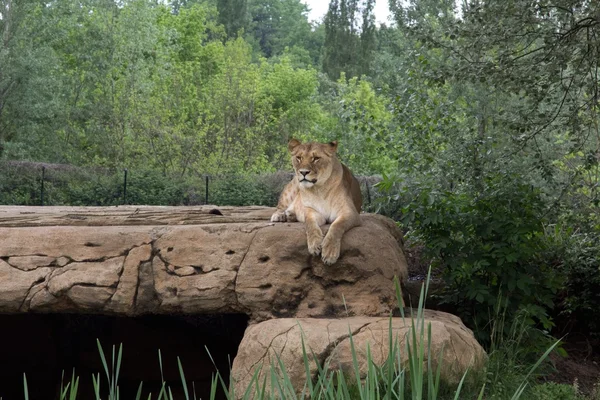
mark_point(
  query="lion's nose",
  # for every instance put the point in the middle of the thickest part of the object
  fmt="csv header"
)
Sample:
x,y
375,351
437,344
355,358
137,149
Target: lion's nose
x,y
304,172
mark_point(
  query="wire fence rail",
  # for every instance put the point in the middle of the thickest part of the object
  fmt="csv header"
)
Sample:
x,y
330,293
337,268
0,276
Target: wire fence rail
x,y
43,184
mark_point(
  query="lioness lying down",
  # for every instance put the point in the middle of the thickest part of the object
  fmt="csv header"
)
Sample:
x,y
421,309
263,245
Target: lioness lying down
x,y
323,191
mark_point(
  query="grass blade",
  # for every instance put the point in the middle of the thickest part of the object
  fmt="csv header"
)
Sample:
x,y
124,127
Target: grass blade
x,y
138,395
183,382
104,364
25,388
74,386
460,384
523,385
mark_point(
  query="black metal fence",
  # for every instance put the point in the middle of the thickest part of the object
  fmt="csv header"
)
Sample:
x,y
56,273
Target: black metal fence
x,y
30,183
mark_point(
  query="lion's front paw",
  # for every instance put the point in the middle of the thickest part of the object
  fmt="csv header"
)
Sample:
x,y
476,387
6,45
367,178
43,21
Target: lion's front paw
x,y
291,216
331,250
278,216
314,244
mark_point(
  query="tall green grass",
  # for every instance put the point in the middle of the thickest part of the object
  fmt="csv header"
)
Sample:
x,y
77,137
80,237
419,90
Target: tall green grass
x,y
416,379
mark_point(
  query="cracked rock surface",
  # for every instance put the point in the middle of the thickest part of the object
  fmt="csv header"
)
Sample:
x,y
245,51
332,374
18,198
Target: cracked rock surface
x,y
133,260
328,340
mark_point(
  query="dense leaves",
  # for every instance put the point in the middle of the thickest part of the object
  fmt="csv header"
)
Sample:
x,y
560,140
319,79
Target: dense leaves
x,y
499,114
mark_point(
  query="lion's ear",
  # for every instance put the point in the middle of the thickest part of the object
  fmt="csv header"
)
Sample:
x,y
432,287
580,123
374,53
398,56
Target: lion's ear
x,y
293,143
333,146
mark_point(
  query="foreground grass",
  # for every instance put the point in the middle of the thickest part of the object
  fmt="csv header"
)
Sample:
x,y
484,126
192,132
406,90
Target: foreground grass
x,y
506,377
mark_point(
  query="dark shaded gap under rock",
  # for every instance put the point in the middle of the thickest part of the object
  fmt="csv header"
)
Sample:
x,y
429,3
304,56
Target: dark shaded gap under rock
x,y
43,345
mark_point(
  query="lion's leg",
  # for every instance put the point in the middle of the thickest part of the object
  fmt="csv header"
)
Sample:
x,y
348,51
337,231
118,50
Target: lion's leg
x,y
295,211
314,234
288,195
333,240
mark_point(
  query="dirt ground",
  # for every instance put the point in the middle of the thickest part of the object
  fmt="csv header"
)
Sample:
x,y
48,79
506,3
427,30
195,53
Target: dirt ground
x,y
581,366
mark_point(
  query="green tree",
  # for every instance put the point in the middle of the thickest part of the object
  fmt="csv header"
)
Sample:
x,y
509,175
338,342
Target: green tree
x,y
360,120
493,103
233,15
349,38
277,24
29,86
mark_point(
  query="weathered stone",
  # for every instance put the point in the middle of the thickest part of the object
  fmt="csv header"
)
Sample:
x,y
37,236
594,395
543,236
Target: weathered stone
x,y
449,337
100,274
124,297
282,279
189,251
15,285
28,263
184,271
19,216
89,298
196,261
43,300
147,299
329,340
62,261
79,243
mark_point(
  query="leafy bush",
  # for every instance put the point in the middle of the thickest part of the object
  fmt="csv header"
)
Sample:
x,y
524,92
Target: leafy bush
x,y
489,245
244,190
19,187
99,189
514,346
579,254
554,391
148,187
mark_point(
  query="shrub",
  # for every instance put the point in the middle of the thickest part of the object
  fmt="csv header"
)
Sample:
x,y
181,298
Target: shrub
x,y
19,187
579,257
489,245
554,391
245,190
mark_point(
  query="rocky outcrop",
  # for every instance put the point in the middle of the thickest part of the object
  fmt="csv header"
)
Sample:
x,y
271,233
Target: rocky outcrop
x,y
134,260
328,340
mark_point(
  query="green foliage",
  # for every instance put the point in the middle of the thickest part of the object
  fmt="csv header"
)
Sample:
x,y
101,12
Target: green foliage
x,y
136,86
19,187
554,391
361,122
277,24
21,184
578,257
243,191
488,245
349,38
514,346
233,15
494,148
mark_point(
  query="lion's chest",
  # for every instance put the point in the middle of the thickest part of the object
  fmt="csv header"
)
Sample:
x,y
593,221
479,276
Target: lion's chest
x,y
321,206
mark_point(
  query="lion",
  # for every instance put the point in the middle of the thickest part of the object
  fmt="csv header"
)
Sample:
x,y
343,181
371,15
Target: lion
x,y
322,191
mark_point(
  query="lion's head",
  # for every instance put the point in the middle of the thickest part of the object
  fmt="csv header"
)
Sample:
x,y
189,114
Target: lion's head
x,y
313,162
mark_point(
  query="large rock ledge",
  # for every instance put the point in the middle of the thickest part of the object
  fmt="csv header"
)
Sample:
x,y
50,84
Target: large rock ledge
x,y
135,260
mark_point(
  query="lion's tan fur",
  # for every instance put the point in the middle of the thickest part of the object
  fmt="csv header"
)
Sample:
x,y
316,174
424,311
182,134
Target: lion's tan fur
x,y
334,197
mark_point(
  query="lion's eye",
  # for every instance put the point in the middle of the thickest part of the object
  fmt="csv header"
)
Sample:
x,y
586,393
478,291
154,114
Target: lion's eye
x,y
299,159
315,159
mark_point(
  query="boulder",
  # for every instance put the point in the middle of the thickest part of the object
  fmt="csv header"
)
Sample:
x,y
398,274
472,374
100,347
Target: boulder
x,y
329,341
135,260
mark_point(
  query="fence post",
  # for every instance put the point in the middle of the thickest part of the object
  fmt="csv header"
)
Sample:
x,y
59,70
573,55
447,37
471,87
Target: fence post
x,y
125,186
206,191
42,189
